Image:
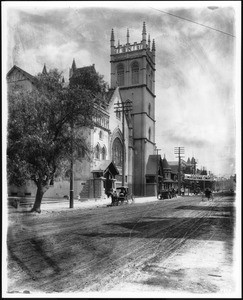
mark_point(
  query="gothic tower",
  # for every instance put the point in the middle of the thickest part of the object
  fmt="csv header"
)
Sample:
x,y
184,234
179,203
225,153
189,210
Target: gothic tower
x,y
133,70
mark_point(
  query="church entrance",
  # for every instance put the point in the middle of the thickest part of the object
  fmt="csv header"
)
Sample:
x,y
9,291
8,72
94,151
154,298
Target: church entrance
x,y
109,171
109,183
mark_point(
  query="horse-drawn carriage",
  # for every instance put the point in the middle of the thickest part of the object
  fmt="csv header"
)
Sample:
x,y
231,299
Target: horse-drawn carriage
x,y
120,195
166,194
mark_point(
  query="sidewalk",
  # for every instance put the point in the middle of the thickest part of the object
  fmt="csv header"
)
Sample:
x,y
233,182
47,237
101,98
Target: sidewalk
x,y
90,203
60,204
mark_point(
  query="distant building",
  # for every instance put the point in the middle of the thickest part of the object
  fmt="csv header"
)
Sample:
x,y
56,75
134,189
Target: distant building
x,y
16,77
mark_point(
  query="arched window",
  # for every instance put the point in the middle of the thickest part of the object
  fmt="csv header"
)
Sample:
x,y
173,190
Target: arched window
x,y
97,152
149,134
117,152
120,74
135,73
118,112
103,153
149,109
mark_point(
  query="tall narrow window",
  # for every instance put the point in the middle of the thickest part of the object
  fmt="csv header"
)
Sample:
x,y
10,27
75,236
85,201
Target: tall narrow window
x,y
97,152
149,109
149,134
120,74
103,153
101,135
117,152
135,73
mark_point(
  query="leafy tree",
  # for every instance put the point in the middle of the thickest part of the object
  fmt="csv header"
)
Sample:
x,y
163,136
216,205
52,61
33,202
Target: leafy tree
x,y
44,129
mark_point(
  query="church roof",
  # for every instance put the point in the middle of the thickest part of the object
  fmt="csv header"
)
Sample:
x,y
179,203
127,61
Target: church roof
x,y
24,73
109,95
152,164
79,71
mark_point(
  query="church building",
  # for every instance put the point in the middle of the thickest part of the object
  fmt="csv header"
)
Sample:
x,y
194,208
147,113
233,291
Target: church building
x,y
123,138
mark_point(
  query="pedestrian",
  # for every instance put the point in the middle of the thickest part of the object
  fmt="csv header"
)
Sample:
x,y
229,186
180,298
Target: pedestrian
x,y
114,198
208,193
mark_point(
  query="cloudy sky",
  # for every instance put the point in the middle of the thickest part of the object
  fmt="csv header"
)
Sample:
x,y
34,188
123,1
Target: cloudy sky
x,y
196,62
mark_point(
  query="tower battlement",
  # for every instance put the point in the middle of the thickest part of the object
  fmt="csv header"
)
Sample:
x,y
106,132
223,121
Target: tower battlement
x,y
128,47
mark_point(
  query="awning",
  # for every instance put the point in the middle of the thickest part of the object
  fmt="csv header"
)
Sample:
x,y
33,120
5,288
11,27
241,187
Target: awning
x,y
168,181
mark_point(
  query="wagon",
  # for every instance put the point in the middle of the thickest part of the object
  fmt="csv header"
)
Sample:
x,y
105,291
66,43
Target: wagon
x,y
165,194
122,195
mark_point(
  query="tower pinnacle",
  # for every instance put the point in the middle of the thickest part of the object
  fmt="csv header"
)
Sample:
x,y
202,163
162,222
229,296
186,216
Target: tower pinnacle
x,y
112,35
112,42
144,35
74,65
144,28
127,36
149,44
153,45
44,71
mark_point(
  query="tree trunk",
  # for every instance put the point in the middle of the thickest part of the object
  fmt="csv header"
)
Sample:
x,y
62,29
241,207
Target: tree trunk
x,y
38,198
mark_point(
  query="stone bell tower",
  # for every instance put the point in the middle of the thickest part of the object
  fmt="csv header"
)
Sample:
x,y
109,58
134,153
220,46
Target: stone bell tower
x,y
133,70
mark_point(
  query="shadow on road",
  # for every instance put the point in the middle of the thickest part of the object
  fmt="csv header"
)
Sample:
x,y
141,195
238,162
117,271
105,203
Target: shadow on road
x,y
207,208
213,228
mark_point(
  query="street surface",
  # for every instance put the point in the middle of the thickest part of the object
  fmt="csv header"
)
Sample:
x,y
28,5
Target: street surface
x,y
182,245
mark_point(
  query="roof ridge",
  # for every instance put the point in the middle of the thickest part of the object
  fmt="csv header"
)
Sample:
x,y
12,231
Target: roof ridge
x,y
29,76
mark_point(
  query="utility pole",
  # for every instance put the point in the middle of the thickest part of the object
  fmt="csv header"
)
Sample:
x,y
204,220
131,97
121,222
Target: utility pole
x,y
123,107
194,166
179,151
71,169
157,171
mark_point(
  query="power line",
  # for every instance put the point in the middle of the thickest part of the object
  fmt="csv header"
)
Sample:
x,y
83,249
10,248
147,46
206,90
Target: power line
x,y
193,21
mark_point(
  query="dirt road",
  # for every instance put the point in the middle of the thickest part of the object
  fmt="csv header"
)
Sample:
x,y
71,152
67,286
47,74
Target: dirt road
x,y
177,245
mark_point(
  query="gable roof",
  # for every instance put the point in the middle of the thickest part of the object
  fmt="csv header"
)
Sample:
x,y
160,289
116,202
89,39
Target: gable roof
x,y
165,164
109,95
107,165
79,71
152,164
25,74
